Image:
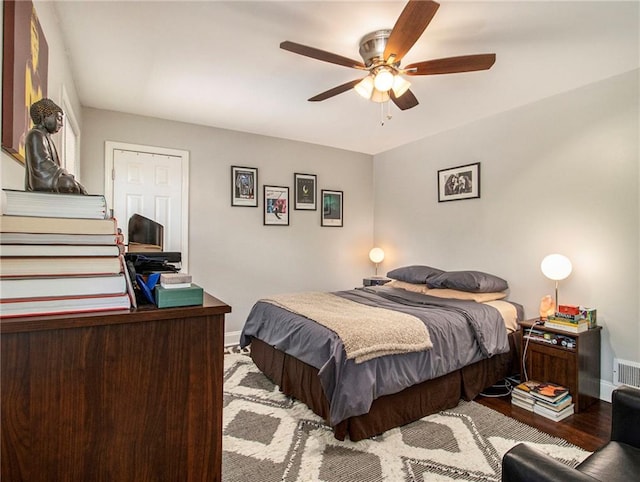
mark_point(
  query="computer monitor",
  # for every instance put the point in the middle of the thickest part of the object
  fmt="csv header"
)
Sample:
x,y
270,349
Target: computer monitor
x,y
145,233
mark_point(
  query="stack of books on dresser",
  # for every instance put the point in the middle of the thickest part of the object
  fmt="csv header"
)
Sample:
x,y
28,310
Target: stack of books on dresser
x,y
177,289
59,253
572,319
547,399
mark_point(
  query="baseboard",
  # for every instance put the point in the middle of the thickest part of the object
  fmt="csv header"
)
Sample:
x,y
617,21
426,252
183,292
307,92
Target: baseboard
x,y
232,338
606,389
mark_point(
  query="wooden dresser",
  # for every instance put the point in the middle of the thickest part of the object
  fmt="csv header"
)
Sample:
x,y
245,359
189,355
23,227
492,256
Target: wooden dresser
x,y
126,396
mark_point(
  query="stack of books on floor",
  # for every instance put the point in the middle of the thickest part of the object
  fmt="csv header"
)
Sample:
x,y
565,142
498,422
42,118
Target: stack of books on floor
x,y
572,319
59,254
547,399
177,289
521,396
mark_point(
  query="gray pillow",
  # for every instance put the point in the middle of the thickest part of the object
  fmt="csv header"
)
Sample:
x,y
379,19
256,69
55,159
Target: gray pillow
x,y
470,281
415,274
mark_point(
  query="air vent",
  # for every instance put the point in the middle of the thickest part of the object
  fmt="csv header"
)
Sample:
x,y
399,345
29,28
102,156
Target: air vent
x,y
626,373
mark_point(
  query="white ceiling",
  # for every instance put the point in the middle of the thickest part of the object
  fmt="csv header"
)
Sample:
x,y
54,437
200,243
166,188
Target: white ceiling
x,y
218,63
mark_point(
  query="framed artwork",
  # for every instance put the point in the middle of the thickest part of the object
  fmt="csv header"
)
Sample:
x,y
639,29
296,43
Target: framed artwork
x,y
276,206
305,191
332,208
25,62
244,186
461,182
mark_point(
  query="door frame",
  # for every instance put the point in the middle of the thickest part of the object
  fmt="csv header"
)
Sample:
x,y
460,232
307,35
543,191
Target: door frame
x,y
109,174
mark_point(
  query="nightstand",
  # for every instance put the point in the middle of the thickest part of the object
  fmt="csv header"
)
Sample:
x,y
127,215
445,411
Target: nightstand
x,y
375,281
569,359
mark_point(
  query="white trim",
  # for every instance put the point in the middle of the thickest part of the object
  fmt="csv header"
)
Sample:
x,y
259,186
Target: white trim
x,y
111,146
232,338
606,390
72,123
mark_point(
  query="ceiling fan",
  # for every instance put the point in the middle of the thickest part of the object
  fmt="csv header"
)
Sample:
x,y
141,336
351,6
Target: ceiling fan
x,y
382,52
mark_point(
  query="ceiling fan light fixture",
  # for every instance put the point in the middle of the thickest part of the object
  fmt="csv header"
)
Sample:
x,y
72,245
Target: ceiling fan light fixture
x,y
400,85
380,96
383,80
365,87
382,52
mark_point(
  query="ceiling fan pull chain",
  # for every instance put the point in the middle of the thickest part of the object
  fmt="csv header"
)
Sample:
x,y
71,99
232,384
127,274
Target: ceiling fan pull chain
x,y
384,117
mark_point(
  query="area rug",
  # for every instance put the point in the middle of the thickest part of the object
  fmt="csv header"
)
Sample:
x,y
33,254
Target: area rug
x,y
268,436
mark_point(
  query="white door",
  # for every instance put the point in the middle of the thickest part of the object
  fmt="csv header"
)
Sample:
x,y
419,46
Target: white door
x,y
152,182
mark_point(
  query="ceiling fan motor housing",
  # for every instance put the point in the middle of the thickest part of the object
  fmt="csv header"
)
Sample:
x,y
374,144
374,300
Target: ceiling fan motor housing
x,y
372,47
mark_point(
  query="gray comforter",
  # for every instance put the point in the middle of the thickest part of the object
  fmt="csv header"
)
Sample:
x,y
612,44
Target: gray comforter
x,y
462,332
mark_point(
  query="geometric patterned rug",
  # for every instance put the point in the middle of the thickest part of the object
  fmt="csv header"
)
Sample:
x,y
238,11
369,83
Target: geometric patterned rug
x,y
268,436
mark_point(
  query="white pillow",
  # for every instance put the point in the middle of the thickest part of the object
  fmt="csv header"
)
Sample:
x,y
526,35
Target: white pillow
x,y
416,288
465,295
447,292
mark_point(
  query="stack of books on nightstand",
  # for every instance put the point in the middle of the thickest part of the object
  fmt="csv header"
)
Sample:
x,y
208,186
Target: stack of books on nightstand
x,y
59,253
547,399
573,319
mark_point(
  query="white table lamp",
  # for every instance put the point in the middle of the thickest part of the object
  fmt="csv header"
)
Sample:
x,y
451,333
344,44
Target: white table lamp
x,y
376,255
556,267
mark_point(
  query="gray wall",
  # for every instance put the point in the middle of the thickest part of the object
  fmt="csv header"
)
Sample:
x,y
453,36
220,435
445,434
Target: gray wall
x,y
232,254
560,175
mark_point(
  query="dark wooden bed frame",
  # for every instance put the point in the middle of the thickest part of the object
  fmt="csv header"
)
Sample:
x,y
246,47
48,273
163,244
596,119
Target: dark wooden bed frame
x,y
300,381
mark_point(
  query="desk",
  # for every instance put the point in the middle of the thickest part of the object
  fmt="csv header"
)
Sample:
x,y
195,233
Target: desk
x,y
126,396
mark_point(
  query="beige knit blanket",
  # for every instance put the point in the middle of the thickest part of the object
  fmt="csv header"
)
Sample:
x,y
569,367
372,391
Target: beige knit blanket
x,y
367,332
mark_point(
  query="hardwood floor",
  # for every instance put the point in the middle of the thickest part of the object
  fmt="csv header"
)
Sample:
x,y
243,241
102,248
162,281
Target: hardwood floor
x,y
589,429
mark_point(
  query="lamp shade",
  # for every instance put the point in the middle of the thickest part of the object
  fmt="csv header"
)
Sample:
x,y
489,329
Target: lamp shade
x,y
379,96
365,87
376,255
556,267
400,85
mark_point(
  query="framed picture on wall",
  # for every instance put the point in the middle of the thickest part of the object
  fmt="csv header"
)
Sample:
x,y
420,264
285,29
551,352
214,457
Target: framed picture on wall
x,y
461,182
244,186
276,206
25,63
305,191
332,208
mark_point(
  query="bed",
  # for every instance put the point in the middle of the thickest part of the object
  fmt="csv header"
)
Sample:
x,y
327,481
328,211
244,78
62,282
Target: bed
x,y
399,375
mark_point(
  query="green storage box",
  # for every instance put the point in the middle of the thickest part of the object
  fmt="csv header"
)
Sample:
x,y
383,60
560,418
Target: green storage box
x,y
168,298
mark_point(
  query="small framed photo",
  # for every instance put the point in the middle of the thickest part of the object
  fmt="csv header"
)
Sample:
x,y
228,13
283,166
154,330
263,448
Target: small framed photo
x,y
244,186
332,208
456,183
305,191
276,205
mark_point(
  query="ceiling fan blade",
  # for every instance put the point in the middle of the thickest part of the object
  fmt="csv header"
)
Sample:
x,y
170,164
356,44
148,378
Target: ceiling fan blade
x,y
410,25
335,91
452,65
405,101
321,55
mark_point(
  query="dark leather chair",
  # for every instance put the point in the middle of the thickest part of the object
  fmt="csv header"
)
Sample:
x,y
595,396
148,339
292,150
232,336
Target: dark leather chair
x,y
618,460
